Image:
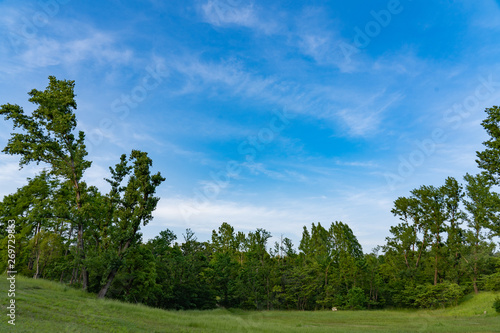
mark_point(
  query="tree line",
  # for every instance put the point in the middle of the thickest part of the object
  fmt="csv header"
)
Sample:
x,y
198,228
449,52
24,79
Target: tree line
x,y
68,231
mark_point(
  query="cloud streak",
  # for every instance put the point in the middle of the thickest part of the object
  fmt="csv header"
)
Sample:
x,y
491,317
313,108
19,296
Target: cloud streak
x,y
232,13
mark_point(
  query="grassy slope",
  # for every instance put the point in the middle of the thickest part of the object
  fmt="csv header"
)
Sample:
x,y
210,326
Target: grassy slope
x,y
44,306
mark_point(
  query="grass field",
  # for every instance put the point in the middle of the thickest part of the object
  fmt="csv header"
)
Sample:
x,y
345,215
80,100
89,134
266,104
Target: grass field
x,y
44,306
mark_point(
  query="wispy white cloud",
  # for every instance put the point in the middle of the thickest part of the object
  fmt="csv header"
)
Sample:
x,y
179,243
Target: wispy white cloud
x,y
147,138
327,51
34,38
365,118
12,177
229,74
360,114
99,48
318,37
403,62
369,164
265,169
96,135
222,13
97,173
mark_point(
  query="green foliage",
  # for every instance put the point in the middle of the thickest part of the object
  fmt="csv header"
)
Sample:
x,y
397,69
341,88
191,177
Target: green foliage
x,y
131,205
435,296
492,282
356,299
489,159
496,304
48,132
47,135
136,281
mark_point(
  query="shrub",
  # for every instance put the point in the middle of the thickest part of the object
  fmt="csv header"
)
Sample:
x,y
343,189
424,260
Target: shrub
x,y
356,299
492,282
496,304
404,296
441,295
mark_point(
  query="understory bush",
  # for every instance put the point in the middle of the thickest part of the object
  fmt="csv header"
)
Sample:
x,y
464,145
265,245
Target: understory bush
x,y
492,282
440,295
496,304
356,299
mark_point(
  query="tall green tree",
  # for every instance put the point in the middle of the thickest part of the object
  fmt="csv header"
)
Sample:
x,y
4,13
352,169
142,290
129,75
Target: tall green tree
x,y
131,205
432,212
48,136
489,158
483,207
224,264
255,274
188,276
405,241
453,194
40,209
347,254
311,276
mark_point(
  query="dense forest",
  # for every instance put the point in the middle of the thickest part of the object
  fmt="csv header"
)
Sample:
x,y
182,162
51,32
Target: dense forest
x,y
67,230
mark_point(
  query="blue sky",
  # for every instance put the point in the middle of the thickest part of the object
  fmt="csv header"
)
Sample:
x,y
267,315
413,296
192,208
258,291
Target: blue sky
x,y
265,114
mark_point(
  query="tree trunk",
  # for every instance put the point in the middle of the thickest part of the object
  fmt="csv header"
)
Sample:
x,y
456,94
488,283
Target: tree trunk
x,y
113,272
268,296
74,274
421,249
104,290
85,275
438,240
37,261
37,231
406,259
436,270
476,290
475,262
67,249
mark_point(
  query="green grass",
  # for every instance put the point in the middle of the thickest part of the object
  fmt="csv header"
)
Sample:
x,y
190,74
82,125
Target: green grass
x,y
44,306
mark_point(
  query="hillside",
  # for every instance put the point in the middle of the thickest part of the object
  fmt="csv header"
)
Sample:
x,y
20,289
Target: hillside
x,y
45,306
